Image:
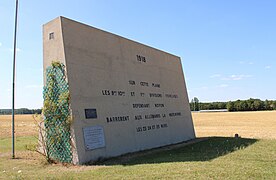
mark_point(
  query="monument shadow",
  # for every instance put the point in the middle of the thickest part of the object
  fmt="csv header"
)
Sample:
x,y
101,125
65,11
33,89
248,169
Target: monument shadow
x,y
205,150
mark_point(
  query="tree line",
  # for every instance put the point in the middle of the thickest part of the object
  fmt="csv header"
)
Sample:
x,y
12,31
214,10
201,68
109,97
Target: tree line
x,y
238,105
20,111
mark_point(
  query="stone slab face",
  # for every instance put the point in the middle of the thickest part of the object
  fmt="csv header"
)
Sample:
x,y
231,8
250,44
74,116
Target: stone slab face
x,y
125,96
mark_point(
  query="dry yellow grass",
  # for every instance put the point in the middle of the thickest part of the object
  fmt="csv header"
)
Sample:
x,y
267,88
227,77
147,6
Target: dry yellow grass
x,y
24,126
247,124
260,125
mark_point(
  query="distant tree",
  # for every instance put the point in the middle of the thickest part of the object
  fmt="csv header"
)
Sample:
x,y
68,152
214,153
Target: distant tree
x,y
194,105
221,105
212,105
274,105
258,105
243,106
230,106
268,105
239,105
21,111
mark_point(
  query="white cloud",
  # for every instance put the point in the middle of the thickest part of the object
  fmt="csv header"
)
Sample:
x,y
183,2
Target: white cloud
x,y
267,67
236,77
223,86
215,76
0,44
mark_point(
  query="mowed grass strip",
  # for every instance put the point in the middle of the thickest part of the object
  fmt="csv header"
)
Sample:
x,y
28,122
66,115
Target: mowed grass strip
x,y
21,143
215,158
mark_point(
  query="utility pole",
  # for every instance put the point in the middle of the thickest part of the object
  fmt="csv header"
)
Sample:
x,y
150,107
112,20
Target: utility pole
x,y
13,78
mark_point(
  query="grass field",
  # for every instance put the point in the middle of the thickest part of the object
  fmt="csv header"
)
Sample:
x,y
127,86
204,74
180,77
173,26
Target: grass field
x,y
261,125
24,126
223,157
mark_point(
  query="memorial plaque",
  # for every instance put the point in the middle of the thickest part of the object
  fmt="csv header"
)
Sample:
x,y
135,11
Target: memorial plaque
x,y
93,137
134,96
90,113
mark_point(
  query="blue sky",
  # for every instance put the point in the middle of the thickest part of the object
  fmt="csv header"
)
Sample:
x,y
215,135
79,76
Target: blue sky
x,y
228,48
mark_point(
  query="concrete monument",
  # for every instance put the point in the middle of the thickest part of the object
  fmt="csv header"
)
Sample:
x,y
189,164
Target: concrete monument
x,y
124,96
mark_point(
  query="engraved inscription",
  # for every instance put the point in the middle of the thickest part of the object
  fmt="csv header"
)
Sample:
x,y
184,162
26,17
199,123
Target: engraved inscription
x,y
151,127
142,83
113,93
159,105
171,95
141,105
157,95
141,58
138,117
155,85
175,114
136,105
117,119
152,116
131,82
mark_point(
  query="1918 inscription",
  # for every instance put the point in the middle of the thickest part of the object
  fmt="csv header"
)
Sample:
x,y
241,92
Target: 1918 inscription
x,y
141,58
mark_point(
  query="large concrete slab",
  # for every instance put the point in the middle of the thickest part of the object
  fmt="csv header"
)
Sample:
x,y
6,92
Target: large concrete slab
x,y
125,96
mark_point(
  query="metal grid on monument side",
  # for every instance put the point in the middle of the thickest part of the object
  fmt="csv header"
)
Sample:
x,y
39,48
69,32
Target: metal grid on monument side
x,y
57,114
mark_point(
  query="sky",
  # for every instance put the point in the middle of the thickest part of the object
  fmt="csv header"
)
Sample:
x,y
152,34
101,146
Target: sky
x,y
228,48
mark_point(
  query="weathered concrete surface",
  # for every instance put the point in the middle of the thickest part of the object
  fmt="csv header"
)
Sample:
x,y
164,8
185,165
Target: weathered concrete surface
x,y
139,92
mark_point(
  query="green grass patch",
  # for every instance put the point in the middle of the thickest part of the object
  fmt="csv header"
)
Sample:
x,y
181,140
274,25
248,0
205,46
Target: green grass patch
x,y
215,158
206,150
21,143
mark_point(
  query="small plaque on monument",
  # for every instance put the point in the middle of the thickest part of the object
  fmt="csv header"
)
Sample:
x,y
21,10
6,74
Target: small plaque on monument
x,y
93,137
90,113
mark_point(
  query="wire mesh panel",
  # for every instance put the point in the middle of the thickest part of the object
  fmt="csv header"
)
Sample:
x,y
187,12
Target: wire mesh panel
x,y
56,111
